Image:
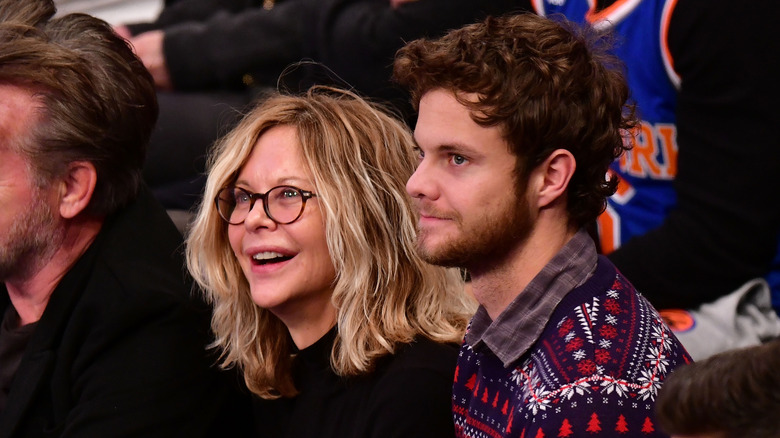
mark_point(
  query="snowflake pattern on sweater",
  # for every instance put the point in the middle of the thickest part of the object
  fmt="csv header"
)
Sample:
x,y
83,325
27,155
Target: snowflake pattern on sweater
x,y
595,371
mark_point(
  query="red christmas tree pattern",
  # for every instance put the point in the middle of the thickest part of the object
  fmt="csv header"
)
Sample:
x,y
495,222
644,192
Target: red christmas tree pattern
x,y
647,427
601,353
472,381
565,429
621,425
594,425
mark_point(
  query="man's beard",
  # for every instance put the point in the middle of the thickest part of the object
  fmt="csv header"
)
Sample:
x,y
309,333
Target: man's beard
x,y
30,242
484,240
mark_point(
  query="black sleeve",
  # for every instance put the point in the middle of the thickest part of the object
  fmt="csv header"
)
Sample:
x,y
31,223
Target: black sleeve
x,y
358,39
418,404
146,372
133,358
230,50
182,11
724,230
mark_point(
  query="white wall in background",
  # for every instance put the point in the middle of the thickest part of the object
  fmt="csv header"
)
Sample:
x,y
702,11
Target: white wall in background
x,y
113,11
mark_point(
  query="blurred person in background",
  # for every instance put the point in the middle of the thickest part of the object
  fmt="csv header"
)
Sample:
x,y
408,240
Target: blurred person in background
x,y
733,394
211,59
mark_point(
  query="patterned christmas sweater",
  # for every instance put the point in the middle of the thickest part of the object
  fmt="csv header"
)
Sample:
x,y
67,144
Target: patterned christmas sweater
x,y
594,371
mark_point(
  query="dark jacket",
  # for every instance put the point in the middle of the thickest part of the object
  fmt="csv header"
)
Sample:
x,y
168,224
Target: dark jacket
x,y
227,44
121,348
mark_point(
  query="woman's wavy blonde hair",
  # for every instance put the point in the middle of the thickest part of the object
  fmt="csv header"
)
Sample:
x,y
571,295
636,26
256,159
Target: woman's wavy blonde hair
x,y
360,158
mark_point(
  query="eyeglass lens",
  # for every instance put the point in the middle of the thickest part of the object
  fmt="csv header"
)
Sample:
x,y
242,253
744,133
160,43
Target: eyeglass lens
x,y
282,204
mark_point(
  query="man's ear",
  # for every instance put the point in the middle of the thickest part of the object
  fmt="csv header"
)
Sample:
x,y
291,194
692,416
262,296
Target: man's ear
x,y
76,188
551,177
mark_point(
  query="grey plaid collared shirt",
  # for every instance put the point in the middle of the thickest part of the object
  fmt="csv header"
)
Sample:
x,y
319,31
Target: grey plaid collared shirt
x,y
520,324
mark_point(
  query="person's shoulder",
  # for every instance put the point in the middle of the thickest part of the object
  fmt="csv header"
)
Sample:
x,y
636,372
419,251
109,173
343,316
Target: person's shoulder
x,y
142,227
139,264
606,307
422,363
424,354
606,284
412,393
141,246
604,331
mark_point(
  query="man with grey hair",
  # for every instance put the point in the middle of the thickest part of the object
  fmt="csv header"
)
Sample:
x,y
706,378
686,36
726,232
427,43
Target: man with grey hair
x,y
99,333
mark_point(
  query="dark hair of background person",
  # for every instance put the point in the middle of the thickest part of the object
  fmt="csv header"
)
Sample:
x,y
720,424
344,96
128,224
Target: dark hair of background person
x,y
97,100
736,393
549,84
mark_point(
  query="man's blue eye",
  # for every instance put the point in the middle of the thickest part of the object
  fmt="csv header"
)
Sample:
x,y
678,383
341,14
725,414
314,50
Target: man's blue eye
x,y
458,159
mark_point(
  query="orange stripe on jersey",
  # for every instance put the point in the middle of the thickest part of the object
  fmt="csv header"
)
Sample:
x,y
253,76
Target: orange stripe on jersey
x,y
668,138
612,13
538,6
608,224
624,189
666,54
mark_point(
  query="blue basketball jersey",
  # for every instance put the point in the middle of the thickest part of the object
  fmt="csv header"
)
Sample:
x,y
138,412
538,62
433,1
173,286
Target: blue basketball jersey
x,y
645,194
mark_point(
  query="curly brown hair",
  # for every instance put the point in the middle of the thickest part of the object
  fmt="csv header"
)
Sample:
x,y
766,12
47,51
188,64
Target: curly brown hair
x,y
548,84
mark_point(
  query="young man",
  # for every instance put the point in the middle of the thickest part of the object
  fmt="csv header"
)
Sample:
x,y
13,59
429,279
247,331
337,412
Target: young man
x,y
519,119
99,333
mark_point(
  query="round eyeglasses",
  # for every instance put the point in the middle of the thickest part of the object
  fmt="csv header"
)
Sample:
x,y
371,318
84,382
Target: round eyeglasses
x,y
283,204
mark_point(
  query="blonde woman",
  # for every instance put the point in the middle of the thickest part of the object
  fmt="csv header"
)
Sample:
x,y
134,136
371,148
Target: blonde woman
x,y
305,246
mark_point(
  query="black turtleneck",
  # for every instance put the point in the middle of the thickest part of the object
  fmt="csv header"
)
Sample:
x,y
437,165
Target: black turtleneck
x,y
409,394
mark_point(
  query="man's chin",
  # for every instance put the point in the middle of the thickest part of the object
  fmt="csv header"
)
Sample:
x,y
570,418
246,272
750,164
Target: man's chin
x,y
441,254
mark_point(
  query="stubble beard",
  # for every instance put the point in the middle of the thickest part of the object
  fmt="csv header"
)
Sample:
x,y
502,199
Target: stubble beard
x,y
30,242
479,243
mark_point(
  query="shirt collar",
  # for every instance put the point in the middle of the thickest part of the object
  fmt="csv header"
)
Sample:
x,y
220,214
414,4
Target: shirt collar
x,y
517,328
